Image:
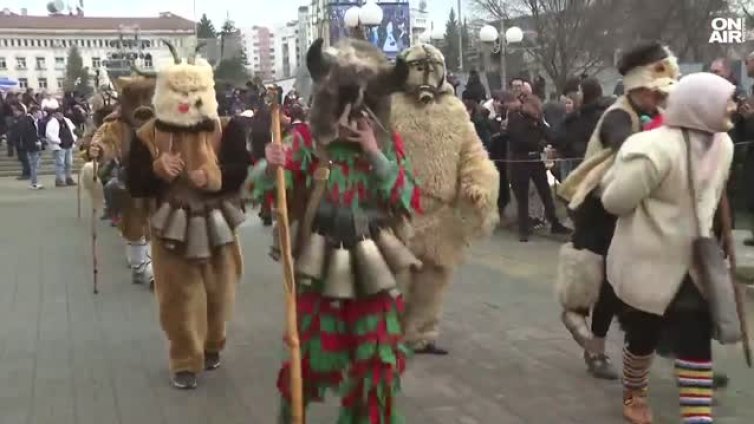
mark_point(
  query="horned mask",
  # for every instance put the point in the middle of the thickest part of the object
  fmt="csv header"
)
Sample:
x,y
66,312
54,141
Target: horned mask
x,y
184,94
351,79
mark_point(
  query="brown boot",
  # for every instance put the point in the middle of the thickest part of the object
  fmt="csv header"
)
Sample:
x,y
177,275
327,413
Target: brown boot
x,y
636,407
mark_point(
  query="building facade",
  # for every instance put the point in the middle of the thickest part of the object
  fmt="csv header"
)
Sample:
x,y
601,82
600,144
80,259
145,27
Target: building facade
x,y
287,50
34,49
259,44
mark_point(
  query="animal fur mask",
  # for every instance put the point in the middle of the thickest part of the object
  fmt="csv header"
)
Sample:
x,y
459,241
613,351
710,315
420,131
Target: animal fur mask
x,y
184,95
427,73
350,79
135,99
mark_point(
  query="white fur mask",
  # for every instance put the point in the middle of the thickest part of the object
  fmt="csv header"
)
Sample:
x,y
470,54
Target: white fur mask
x,y
185,94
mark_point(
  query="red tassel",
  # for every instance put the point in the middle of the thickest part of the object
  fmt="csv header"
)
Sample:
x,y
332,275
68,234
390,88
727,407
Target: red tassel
x,y
374,407
399,182
400,152
416,201
334,342
348,197
306,135
657,122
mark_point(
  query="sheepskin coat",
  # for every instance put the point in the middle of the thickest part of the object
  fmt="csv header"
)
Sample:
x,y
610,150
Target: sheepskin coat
x,y
647,188
459,183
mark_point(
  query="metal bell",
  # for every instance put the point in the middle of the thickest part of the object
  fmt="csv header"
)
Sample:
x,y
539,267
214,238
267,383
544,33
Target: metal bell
x,y
159,219
220,232
175,230
396,254
311,262
374,273
233,214
197,245
339,282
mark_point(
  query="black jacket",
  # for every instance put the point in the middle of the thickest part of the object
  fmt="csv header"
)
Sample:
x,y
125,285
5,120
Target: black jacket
x,y
233,159
526,135
573,134
23,134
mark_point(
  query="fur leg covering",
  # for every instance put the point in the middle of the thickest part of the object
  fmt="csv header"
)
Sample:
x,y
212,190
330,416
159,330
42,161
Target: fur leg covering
x,y
425,294
140,262
195,301
580,275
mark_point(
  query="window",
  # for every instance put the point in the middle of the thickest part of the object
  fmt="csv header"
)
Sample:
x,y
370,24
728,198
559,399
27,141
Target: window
x,y
42,83
41,65
60,83
21,63
3,65
59,63
148,61
23,83
96,63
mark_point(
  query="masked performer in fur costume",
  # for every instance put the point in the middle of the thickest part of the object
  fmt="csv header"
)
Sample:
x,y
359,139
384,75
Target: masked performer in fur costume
x,y
194,169
459,187
649,72
111,145
352,171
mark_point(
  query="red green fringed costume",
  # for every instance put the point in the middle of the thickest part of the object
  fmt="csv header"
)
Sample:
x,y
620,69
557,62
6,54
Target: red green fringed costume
x,y
350,346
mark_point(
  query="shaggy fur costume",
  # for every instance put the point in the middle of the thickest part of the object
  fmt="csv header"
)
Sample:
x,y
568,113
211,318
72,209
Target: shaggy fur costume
x,y
460,186
195,296
114,138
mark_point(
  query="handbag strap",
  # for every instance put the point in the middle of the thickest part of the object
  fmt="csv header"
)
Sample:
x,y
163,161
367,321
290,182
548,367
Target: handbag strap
x,y
692,183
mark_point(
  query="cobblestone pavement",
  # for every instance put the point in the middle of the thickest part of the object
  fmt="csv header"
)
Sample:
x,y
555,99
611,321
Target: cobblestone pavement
x,y
67,356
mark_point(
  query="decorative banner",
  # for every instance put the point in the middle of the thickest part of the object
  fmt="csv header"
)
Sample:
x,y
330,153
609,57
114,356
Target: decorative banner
x,y
392,36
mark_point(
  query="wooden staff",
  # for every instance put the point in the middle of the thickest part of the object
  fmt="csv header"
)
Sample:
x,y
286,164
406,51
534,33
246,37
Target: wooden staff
x,y
727,231
296,383
94,231
78,195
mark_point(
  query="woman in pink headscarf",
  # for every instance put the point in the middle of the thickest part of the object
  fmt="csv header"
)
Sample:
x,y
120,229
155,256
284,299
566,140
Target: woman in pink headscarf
x,y
649,264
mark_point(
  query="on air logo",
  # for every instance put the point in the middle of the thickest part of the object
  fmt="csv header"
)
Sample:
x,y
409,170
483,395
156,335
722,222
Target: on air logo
x,y
727,31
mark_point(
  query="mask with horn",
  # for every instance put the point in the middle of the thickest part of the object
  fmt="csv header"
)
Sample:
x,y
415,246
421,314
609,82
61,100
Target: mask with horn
x,y
184,94
351,79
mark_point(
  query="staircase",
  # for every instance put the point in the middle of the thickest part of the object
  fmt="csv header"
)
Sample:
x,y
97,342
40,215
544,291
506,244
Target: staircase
x,y
11,167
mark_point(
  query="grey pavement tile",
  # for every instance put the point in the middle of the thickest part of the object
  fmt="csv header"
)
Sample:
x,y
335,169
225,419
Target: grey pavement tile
x,y
75,358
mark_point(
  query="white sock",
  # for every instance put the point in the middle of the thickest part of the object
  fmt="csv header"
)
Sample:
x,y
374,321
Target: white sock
x,y
137,253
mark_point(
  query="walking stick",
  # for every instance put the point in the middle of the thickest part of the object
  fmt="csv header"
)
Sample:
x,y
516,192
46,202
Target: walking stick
x,y
727,230
78,195
94,232
297,400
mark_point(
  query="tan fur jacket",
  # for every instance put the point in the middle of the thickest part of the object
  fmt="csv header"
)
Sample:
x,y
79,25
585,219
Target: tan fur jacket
x,y
110,137
459,183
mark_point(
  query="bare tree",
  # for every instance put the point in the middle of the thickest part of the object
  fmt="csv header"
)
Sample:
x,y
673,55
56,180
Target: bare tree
x,y
571,36
575,36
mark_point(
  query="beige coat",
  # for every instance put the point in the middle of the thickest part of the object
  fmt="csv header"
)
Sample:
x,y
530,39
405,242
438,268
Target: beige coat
x,y
647,188
459,183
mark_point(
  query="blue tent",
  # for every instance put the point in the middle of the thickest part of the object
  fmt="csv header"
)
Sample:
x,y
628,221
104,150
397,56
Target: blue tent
x,y
8,83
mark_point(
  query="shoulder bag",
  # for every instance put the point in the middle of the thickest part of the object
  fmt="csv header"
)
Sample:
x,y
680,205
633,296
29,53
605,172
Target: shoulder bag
x,y
716,282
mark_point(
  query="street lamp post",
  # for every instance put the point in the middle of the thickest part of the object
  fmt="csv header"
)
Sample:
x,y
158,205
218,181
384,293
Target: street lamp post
x,y
490,35
360,19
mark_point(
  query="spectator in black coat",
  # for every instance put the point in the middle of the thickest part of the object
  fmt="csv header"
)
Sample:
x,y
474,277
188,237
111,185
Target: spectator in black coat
x,y
528,135
474,88
19,135
572,136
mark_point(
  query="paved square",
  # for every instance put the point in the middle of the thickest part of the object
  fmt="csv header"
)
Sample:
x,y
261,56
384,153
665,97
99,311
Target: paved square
x,y
67,356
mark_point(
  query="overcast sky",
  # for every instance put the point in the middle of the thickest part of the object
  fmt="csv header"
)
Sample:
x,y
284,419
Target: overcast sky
x,y
242,12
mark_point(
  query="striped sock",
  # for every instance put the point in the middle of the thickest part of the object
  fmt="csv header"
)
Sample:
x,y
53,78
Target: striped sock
x,y
636,371
695,385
